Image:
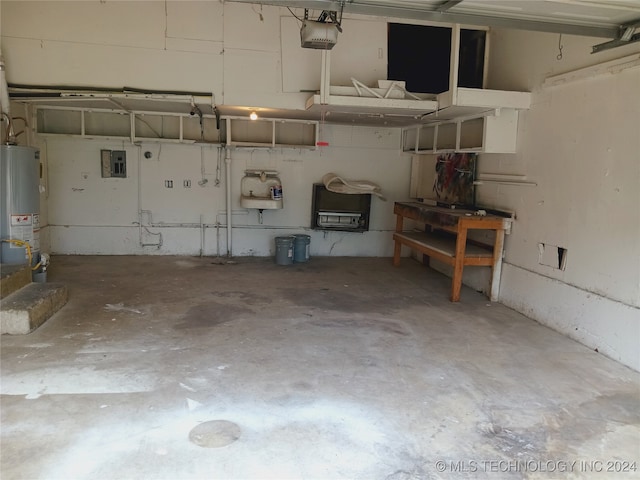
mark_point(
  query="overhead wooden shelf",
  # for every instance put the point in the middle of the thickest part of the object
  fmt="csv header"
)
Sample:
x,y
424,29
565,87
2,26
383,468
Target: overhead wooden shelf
x,y
382,106
389,98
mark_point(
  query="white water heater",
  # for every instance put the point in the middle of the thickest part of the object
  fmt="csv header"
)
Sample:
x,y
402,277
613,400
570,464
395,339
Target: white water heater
x,y
19,202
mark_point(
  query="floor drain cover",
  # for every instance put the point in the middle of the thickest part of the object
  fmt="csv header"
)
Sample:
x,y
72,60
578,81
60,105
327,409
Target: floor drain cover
x,y
215,434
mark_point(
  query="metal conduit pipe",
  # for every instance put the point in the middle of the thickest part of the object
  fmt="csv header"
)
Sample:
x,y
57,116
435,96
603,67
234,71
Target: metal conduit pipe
x,y
227,170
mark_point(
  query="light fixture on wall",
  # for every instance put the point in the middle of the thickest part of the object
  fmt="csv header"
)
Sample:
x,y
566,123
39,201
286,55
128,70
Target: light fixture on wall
x,y
253,116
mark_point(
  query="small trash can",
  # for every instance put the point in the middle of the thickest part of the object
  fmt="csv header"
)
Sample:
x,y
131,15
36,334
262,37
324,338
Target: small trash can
x,y
301,246
284,250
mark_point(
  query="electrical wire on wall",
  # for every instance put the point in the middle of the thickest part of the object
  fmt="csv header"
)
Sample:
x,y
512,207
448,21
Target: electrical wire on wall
x,y
137,118
219,168
560,47
166,23
153,130
203,171
26,125
292,13
203,180
195,110
259,13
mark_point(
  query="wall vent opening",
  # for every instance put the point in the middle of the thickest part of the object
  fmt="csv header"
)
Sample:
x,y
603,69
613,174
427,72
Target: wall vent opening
x,y
552,256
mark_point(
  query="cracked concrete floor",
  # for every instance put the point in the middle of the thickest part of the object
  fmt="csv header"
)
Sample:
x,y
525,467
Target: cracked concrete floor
x,y
337,368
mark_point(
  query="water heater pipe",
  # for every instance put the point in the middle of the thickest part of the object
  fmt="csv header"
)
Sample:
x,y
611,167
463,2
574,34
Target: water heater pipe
x,y
4,89
21,243
227,171
5,113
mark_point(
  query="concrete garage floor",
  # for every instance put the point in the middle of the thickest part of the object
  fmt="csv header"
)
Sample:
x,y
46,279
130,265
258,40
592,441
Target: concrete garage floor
x,y
337,368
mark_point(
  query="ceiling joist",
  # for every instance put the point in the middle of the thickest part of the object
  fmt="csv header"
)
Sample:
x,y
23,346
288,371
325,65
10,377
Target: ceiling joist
x,y
449,4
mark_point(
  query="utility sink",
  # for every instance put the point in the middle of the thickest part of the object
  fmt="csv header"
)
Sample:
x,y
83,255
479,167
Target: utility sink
x,y
261,190
261,203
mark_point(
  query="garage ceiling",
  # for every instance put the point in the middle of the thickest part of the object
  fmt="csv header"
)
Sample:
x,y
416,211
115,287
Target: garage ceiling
x,y
593,18
614,20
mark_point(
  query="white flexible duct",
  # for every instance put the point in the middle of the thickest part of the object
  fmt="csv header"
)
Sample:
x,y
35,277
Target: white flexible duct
x,y
227,161
337,184
4,89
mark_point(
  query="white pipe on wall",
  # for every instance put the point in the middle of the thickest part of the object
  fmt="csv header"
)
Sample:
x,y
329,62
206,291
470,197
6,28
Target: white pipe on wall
x,y
201,236
4,89
227,161
141,212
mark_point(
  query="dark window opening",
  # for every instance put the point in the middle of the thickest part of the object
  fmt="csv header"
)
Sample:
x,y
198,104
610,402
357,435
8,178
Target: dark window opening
x,y
420,55
471,66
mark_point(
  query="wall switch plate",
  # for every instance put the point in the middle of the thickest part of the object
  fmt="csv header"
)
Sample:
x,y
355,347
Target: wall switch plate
x,y
186,183
552,256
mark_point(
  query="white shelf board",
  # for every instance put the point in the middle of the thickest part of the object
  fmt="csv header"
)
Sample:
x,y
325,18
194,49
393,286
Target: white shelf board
x,y
235,143
610,67
484,98
383,106
339,90
475,97
305,146
455,112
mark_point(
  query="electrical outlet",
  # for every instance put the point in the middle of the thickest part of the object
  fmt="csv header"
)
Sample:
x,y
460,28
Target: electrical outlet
x,y
168,183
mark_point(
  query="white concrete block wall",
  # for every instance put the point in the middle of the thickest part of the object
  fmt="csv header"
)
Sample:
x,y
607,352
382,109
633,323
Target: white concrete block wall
x,y
112,44
244,55
579,143
94,215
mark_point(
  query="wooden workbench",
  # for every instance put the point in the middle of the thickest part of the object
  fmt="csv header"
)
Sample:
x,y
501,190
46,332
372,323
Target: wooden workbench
x,y
447,240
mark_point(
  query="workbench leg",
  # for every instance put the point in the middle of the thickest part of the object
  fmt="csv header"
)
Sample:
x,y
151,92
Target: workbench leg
x,y
396,253
458,266
426,259
397,250
496,270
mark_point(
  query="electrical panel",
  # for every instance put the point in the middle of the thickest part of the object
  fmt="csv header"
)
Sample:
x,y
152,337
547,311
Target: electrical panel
x,y
113,163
